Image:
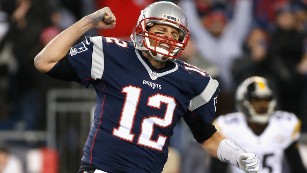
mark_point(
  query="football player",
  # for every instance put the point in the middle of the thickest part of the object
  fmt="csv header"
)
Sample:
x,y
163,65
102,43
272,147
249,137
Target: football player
x,y
142,91
271,134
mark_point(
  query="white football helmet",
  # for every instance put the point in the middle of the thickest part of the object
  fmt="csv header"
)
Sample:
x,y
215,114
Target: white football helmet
x,y
255,87
161,13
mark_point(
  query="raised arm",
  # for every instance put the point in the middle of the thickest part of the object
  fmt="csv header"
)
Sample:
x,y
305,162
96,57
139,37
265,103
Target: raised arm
x,y
58,47
240,24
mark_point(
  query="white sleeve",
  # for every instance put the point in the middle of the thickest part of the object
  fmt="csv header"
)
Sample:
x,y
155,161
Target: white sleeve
x,y
203,39
239,25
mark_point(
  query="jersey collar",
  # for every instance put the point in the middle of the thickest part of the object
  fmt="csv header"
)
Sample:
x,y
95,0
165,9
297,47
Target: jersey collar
x,y
153,74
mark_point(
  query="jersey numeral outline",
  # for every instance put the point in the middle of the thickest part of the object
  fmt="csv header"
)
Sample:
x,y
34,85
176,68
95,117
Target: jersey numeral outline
x,y
117,41
265,164
194,68
126,123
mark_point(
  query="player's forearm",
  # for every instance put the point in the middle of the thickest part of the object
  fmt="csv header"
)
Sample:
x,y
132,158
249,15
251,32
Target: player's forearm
x,y
211,145
58,47
229,151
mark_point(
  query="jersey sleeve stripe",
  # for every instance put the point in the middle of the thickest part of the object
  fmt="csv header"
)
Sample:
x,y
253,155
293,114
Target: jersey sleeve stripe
x,y
97,58
297,130
205,96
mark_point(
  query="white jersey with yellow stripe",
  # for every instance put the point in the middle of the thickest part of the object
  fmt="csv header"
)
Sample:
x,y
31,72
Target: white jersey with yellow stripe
x,y
283,129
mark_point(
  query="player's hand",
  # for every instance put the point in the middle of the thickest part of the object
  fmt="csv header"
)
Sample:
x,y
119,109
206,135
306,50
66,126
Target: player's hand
x,y
103,18
249,162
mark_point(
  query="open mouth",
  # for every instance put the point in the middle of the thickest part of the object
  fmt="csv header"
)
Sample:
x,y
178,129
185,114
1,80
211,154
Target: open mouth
x,y
164,46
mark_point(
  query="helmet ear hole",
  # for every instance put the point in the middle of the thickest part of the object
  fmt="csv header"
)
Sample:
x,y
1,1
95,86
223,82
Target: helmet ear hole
x,y
181,36
147,28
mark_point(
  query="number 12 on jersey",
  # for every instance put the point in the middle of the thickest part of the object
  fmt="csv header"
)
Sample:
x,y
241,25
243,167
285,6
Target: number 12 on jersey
x,y
129,111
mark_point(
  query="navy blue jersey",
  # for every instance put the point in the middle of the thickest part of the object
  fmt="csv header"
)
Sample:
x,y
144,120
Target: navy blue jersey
x,y
137,105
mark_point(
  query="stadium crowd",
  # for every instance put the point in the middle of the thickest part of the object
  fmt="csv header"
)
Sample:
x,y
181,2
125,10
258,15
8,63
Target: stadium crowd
x,y
230,39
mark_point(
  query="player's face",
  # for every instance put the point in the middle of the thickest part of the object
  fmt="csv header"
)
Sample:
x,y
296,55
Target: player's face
x,y
260,105
164,34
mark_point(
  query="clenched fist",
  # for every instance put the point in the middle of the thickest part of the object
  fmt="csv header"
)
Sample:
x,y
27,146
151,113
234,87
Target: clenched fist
x,y
103,18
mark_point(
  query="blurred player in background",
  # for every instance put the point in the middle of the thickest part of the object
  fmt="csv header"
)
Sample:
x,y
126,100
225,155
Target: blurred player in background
x,y
272,134
9,163
142,91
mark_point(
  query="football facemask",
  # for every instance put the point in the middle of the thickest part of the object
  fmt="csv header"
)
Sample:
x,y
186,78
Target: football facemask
x,y
159,47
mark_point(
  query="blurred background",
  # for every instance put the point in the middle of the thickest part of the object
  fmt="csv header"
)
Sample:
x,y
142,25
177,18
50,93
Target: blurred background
x,y
44,122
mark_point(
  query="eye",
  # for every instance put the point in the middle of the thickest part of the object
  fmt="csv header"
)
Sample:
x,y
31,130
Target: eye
x,y
159,32
175,35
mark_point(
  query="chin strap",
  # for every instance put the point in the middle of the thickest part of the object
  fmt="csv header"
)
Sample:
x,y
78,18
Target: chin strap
x,y
260,119
158,57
